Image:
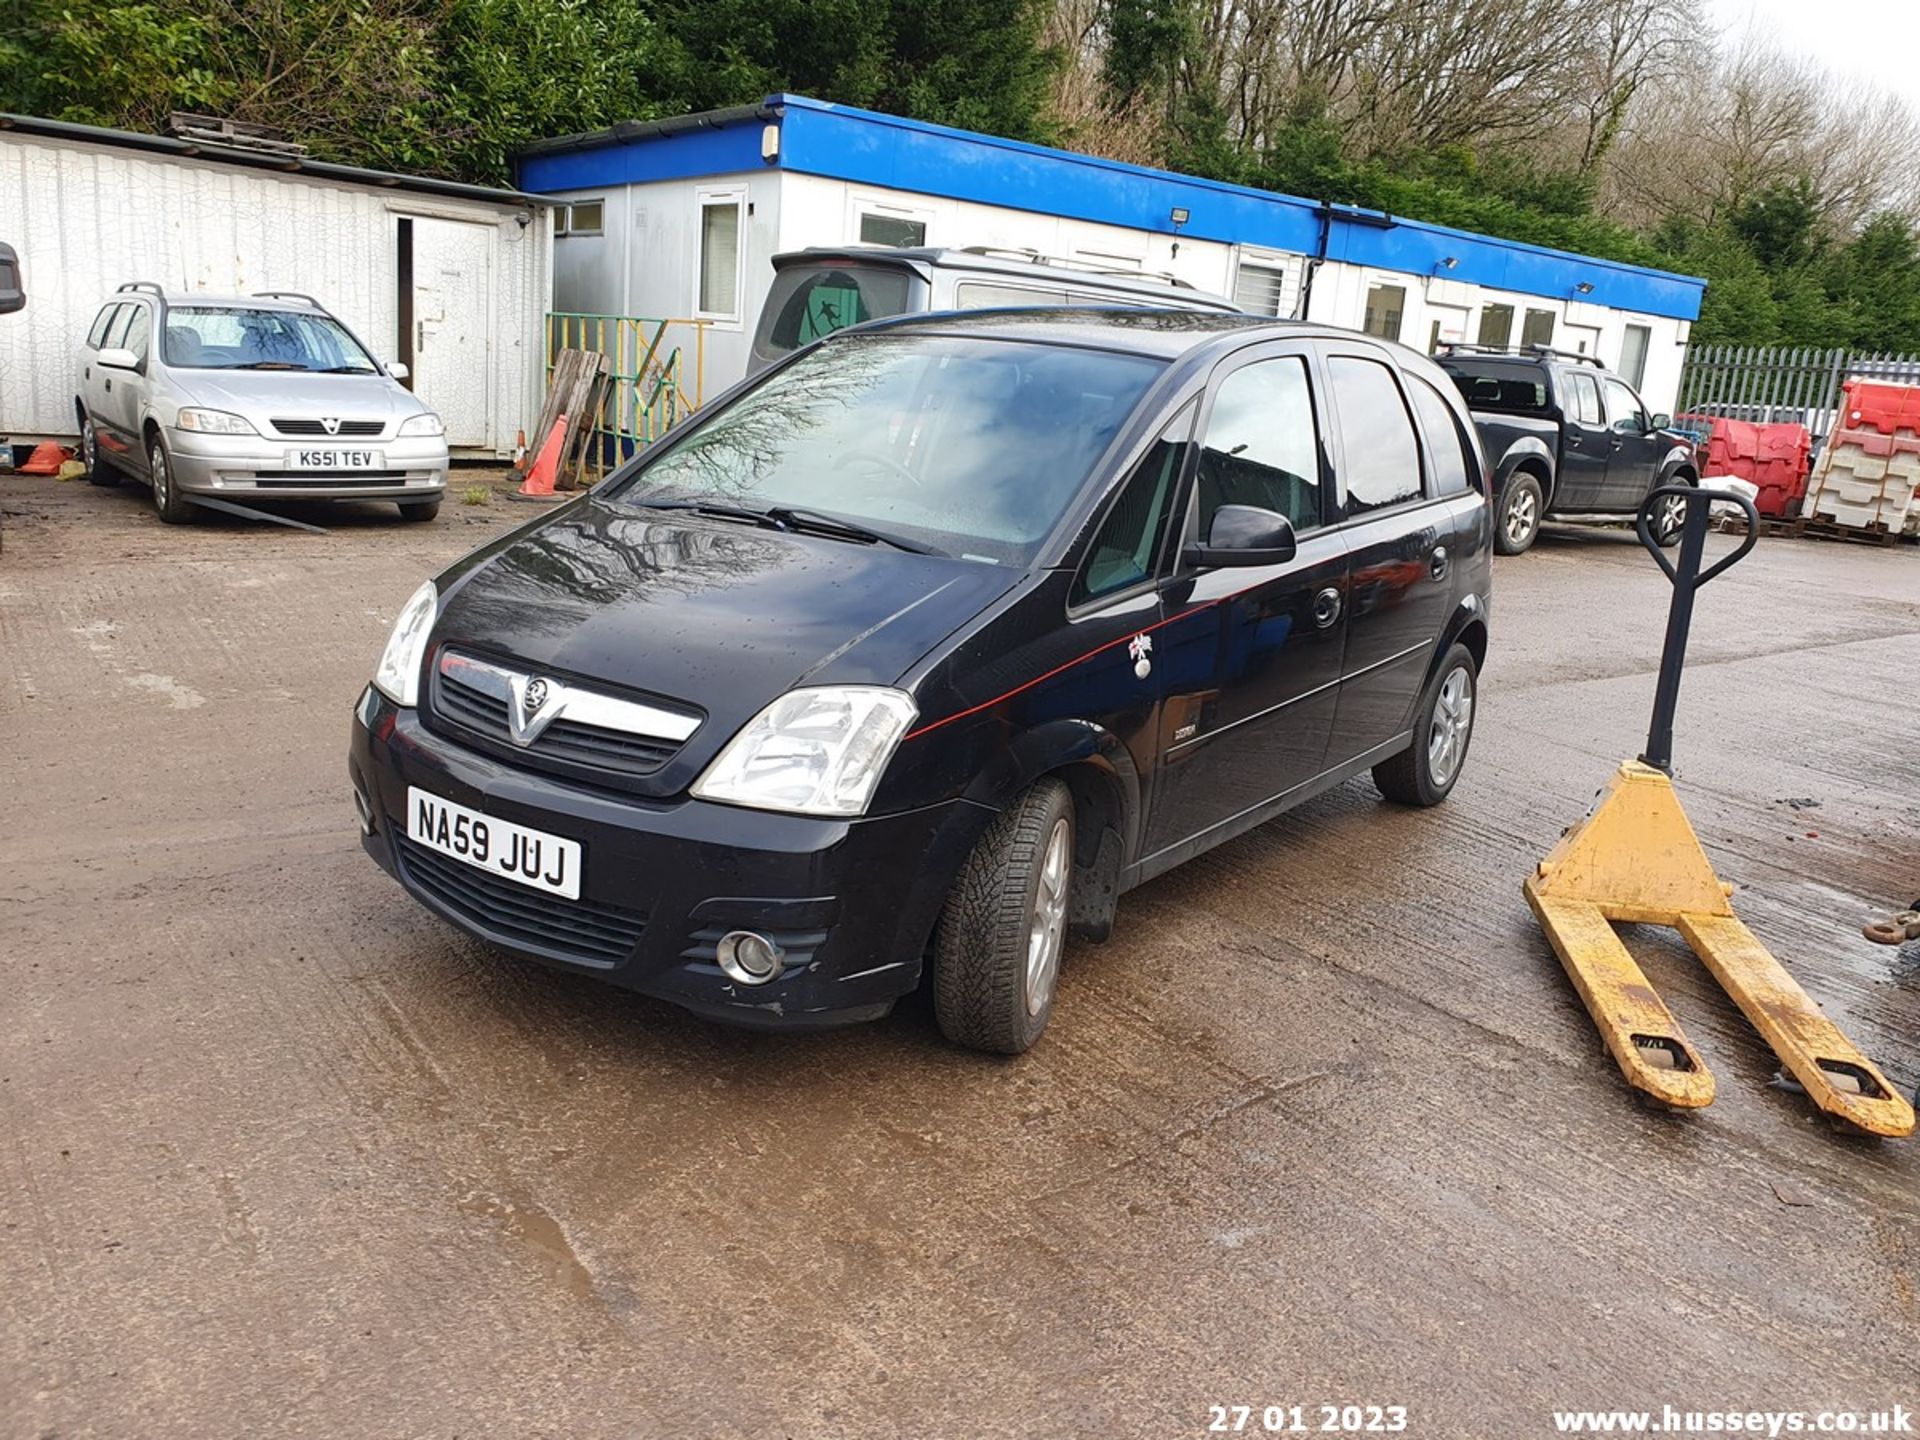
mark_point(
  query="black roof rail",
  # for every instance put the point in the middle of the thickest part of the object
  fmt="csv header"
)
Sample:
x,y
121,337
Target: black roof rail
x,y
290,295
145,286
1461,347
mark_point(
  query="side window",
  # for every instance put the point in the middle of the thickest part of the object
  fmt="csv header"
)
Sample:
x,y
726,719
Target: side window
x,y
117,330
1624,406
1451,463
1261,447
1585,395
136,340
985,295
717,294
1381,459
1122,553
96,337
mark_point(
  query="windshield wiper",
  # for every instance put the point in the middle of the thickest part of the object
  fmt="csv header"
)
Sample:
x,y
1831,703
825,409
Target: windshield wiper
x,y
719,509
267,365
345,370
818,523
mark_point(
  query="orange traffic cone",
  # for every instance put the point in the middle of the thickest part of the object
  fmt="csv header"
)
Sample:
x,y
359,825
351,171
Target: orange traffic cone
x,y
47,458
546,469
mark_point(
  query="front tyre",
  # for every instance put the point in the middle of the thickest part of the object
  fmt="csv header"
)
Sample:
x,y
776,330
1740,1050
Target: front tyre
x,y
1522,506
996,950
1670,518
172,507
420,511
1424,773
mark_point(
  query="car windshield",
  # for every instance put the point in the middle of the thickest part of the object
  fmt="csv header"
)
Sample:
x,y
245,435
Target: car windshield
x,y
964,446
226,337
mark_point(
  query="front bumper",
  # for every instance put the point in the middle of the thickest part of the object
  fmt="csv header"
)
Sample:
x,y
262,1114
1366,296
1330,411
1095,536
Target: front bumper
x,y
258,466
852,903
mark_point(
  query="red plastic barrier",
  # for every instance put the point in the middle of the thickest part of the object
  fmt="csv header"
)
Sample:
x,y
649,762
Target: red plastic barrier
x,y
1774,457
1875,405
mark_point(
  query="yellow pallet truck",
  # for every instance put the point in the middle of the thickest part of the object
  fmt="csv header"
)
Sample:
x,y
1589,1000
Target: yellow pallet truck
x,y
1636,860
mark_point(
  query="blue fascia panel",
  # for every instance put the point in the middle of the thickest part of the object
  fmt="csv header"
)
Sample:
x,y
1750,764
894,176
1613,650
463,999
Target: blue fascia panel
x,y
695,154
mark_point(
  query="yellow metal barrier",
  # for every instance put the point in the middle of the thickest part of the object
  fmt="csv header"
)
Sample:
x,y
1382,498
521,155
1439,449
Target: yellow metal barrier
x,y
657,368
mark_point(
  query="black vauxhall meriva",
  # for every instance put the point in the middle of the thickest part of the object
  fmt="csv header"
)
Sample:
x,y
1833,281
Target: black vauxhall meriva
x,y
922,647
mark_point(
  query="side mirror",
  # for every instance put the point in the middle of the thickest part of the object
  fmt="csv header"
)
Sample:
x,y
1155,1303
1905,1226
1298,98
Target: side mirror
x,y
13,294
1245,535
398,370
117,359
1661,422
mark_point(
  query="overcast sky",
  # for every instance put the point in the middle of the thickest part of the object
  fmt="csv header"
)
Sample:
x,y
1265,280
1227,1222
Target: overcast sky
x,y
1874,40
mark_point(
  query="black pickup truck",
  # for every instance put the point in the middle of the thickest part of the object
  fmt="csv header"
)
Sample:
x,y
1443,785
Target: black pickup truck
x,y
1566,437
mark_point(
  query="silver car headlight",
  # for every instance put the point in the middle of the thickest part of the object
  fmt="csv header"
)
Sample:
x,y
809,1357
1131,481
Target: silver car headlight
x,y
398,675
419,426
214,422
818,751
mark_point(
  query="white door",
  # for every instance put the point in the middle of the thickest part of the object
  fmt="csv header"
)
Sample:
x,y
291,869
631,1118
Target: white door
x,y
452,338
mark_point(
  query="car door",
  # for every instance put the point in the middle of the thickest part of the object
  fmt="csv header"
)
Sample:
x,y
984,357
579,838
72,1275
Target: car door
x,y
124,390
1249,657
1585,445
108,386
92,377
1634,459
1401,549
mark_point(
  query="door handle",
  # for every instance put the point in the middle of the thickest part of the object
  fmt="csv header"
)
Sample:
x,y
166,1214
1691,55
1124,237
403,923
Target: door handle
x,y
1615,445
109,384
1439,564
1326,607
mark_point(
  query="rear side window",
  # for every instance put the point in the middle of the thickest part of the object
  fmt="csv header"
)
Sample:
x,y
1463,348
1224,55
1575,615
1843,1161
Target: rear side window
x,y
1261,447
1512,389
1380,457
1585,395
984,295
1448,456
806,303
1122,553
117,329
97,336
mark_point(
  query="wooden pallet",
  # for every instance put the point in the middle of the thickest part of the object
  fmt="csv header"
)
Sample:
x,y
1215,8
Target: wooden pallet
x,y
1819,528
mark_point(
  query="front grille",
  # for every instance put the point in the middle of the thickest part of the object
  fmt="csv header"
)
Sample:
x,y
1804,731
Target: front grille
x,y
349,429
582,930
328,477
573,744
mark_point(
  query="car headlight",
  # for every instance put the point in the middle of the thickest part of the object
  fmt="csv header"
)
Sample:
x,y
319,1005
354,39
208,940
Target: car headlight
x,y
818,751
214,422
398,675
415,425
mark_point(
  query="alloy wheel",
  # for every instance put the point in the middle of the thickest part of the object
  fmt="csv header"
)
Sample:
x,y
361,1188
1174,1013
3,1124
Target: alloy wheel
x,y
89,446
1673,514
157,461
1523,514
1452,725
1048,927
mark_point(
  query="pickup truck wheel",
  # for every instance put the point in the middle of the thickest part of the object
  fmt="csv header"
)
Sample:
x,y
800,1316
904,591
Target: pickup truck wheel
x,y
1521,509
996,950
1424,773
1670,519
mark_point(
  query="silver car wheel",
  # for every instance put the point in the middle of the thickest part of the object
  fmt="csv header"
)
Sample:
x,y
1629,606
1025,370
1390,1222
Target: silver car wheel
x,y
1049,924
157,462
1522,516
1673,514
89,445
1452,725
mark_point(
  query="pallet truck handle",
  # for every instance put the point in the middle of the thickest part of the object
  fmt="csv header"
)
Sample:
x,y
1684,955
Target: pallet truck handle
x,y
1643,523
1687,577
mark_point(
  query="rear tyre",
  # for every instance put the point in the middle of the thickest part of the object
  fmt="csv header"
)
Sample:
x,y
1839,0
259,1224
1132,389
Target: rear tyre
x,y
996,950
420,512
99,472
172,507
1522,505
1424,773
1670,519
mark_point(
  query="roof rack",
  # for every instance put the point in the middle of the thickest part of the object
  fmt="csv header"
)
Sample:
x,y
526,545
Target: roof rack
x,y
1064,262
145,286
289,295
1461,347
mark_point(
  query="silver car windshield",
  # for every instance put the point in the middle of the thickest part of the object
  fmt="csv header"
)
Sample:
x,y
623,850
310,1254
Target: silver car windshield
x,y
225,337
964,446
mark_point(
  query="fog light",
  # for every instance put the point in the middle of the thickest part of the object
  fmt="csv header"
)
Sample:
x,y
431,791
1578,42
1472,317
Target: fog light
x,y
749,958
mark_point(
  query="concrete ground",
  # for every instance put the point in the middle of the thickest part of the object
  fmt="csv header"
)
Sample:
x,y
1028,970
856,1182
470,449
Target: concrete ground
x,y
282,1154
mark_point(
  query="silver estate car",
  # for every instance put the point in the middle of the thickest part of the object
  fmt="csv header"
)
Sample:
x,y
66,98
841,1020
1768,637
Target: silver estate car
x,y
249,397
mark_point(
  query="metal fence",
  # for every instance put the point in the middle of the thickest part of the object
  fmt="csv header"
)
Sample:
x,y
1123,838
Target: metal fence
x,y
657,368
1768,383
